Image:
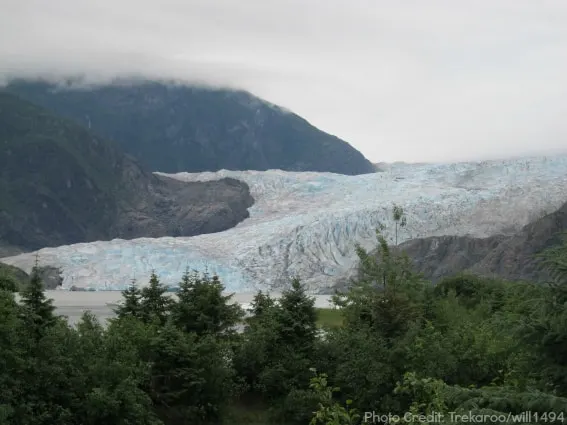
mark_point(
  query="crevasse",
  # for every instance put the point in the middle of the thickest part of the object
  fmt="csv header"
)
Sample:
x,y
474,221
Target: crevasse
x,y
306,224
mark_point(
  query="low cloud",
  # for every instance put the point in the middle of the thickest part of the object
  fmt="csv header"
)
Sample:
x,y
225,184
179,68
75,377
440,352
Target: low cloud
x,y
411,81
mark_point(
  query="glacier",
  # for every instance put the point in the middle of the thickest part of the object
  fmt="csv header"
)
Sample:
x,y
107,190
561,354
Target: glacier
x,y
306,224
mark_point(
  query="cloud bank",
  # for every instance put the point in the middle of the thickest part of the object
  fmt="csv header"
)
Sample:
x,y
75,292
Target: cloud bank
x,y
404,80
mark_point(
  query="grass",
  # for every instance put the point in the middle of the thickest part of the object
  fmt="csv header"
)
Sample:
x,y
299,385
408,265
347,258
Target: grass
x,y
331,317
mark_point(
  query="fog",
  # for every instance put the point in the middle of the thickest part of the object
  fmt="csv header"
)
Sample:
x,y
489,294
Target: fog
x,y
411,80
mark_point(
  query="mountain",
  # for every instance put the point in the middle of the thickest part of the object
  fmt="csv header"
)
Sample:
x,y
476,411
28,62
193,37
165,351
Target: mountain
x,y
174,128
50,276
509,257
61,184
307,224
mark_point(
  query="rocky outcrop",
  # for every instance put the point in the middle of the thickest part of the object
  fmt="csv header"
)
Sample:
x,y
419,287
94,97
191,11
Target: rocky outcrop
x,y
173,208
509,257
50,276
440,256
61,184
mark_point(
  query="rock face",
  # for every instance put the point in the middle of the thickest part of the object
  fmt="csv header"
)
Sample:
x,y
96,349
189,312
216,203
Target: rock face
x,y
61,184
174,128
8,251
510,257
50,276
172,208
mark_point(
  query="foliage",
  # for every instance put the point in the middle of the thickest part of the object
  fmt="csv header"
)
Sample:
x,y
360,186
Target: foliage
x,y
469,345
261,303
11,277
554,260
385,295
41,153
155,304
132,304
202,308
329,317
189,377
8,283
37,310
330,412
277,347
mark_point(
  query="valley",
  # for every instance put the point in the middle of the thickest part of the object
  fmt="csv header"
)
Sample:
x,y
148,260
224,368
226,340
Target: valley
x,y
283,213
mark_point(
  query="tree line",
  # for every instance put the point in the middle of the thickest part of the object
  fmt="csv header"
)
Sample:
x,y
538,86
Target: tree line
x,y
467,345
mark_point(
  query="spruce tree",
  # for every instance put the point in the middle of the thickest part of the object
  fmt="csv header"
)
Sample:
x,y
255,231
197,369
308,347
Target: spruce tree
x,y
202,307
38,310
278,347
190,380
261,304
386,292
297,317
400,220
155,305
131,305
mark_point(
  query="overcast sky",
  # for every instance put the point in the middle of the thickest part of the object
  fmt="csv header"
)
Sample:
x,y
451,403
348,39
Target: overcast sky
x,y
401,80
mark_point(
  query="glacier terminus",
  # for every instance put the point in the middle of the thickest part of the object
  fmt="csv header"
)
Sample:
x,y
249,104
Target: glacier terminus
x,y
306,224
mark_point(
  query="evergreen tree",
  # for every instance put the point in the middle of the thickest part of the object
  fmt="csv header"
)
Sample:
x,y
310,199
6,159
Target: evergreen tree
x,y
400,220
131,304
261,303
155,304
549,326
11,355
297,318
8,283
116,375
277,347
202,308
191,379
38,310
385,294
386,268
554,261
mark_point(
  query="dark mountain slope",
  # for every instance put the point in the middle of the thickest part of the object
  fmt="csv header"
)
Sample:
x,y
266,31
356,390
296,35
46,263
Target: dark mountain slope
x,y
172,128
50,276
60,184
509,257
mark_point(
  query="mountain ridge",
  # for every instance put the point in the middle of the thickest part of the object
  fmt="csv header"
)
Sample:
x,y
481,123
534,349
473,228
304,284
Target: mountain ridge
x,y
60,183
179,128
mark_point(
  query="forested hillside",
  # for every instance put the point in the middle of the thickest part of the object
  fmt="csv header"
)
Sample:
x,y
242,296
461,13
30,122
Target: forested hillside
x,y
61,184
175,128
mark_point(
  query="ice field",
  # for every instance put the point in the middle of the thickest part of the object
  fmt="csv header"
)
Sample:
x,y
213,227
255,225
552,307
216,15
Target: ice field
x,y
306,224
